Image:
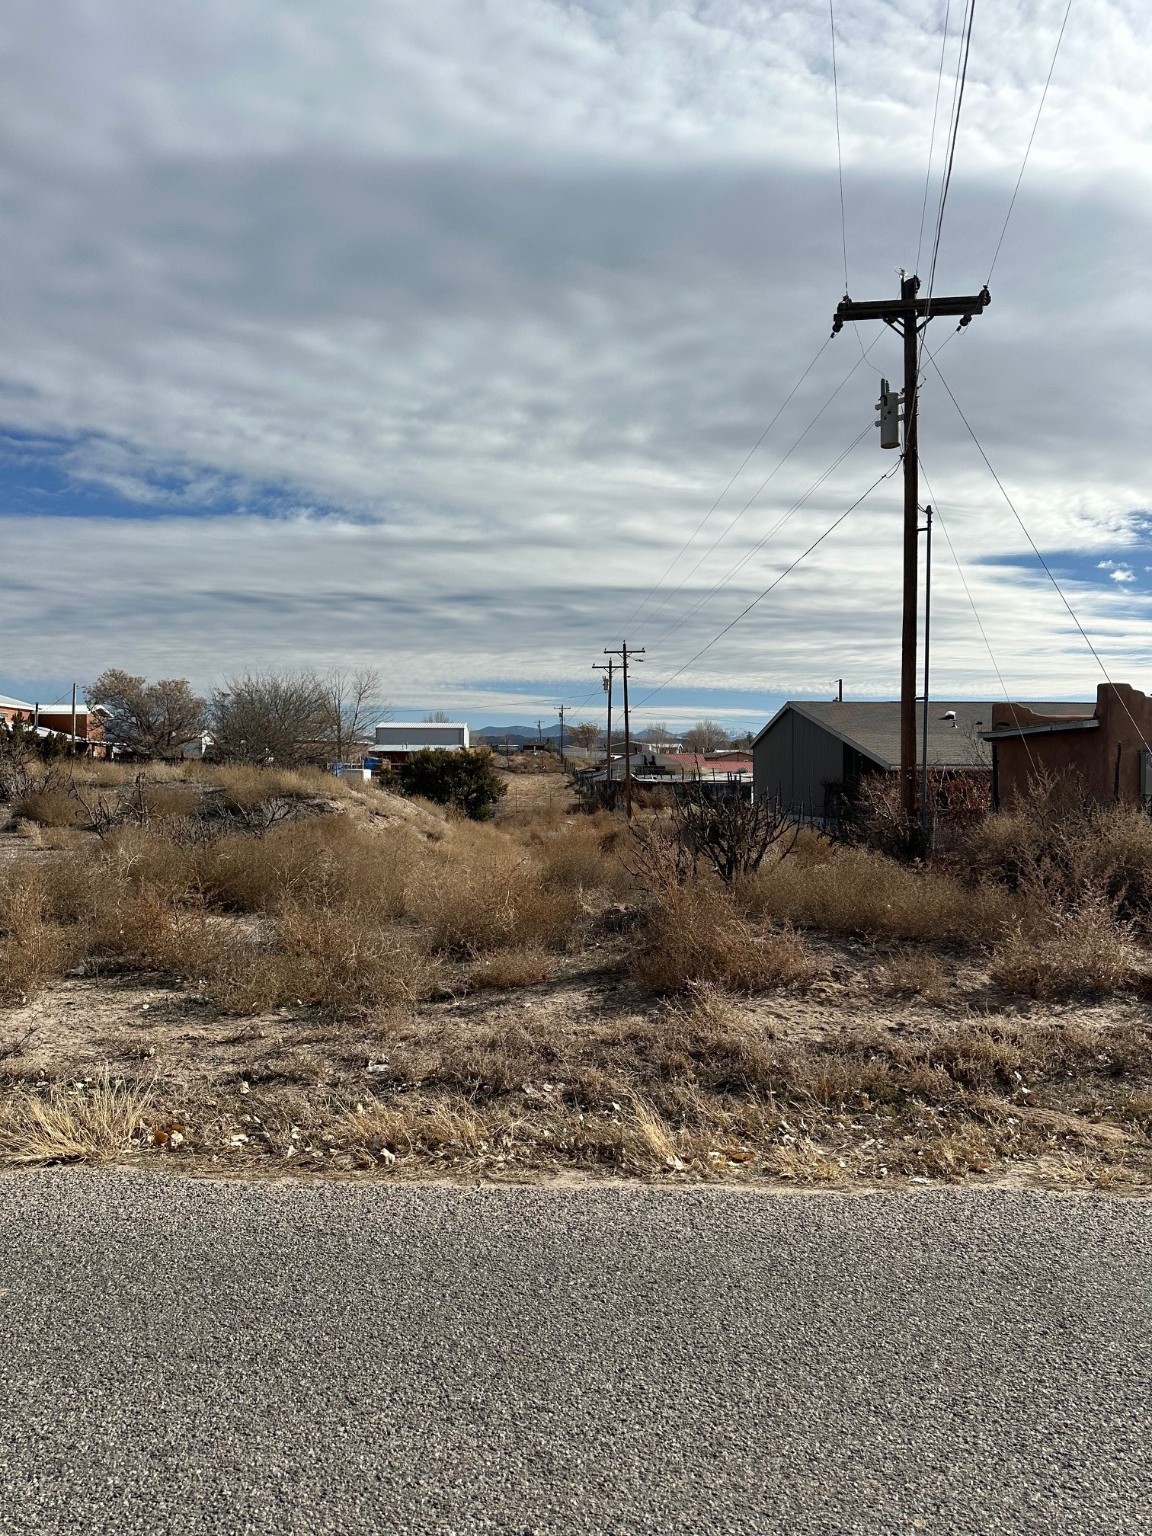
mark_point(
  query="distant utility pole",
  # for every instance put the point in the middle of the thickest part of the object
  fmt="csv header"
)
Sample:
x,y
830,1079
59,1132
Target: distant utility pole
x,y
539,735
560,712
908,316
625,656
607,669
925,818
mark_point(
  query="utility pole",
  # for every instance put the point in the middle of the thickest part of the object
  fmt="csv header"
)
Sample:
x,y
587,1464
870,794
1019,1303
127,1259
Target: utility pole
x,y
624,654
73,743
539,737
909,316
925,818
599,666
560,712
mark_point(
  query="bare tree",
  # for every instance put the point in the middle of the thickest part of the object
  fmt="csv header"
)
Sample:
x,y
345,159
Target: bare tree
x,y
349,702
260,717
705,736
586,734
657,731
154,719
437,717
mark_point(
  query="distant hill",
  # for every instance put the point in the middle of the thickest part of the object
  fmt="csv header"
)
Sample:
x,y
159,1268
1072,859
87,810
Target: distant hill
x,y
520,734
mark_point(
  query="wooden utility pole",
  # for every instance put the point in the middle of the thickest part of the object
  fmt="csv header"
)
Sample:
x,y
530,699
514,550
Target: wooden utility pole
x,y
560,712
625,655
607,669
909,316
72,747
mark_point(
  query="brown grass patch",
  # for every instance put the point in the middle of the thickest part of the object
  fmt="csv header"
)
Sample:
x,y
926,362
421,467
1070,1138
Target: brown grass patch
x,y
510,968
94,1122
852,891
694,934
1074,953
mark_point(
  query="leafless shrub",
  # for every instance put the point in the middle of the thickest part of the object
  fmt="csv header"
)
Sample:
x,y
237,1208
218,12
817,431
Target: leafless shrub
x,y
733,833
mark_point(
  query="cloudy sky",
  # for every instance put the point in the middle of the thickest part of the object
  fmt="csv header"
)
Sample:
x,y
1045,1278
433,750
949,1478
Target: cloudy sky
x,y
427,336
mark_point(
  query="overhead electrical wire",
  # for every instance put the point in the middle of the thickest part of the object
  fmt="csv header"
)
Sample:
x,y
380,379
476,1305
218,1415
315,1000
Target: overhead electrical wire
x,y
839,154
1036,548
1031,138
840,166
953,134
749,554
939,516
771,587
756,494
743,463
932,134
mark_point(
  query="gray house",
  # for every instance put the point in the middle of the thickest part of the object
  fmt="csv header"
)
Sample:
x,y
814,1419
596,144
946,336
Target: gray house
x,y
812,753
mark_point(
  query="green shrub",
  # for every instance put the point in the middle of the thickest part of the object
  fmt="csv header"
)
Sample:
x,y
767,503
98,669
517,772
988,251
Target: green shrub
x,y
466,780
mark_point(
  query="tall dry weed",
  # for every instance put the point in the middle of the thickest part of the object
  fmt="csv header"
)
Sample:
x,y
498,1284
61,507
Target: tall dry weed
x,y
695,934
484,893
1069,953
853,891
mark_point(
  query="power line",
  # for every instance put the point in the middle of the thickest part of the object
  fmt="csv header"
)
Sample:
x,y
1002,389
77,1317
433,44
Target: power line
x,y
839,155
1036,550
771,587
975,611
1031,137
759,491
734,570
953,133
932,134
679,556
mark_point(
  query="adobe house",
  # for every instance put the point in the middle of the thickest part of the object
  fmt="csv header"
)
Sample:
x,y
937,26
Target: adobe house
x,y
813,753
1108,748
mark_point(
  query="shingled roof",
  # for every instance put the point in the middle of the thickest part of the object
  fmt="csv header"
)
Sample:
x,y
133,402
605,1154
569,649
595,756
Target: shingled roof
x,y
873,728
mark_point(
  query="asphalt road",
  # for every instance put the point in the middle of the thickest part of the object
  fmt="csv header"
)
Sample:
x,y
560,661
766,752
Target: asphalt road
x,y
194,1357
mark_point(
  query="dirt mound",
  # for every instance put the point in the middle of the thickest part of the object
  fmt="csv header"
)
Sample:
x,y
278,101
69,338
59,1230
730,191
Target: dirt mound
x,y
386,810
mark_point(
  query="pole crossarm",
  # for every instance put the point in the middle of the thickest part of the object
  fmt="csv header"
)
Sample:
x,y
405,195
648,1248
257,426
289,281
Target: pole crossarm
x,y
898,311
909,315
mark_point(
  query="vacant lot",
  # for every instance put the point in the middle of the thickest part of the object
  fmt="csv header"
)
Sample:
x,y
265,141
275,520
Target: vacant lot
x,y
246,969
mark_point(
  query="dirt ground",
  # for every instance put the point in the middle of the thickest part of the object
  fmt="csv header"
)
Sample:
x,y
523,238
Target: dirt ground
x,y
540,1080
843,1080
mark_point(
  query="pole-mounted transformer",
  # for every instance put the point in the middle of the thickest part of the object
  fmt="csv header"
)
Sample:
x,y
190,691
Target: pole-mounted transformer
x,y
889,407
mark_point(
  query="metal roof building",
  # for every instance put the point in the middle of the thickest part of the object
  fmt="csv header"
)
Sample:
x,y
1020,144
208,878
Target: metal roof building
x,y
812,752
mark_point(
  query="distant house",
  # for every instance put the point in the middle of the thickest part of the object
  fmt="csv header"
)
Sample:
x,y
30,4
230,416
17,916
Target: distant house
x,y
1108,747
395,743
57,720
813,752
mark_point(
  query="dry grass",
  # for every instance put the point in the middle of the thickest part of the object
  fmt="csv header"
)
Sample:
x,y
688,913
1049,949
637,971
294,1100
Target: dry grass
x,y
1085,950
505,968
695,935
484,892
86,1122
852,891
917,973
49,808
356,939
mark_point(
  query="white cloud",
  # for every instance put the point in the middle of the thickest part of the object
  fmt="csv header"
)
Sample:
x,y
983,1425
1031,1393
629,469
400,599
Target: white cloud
x,y
456,318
